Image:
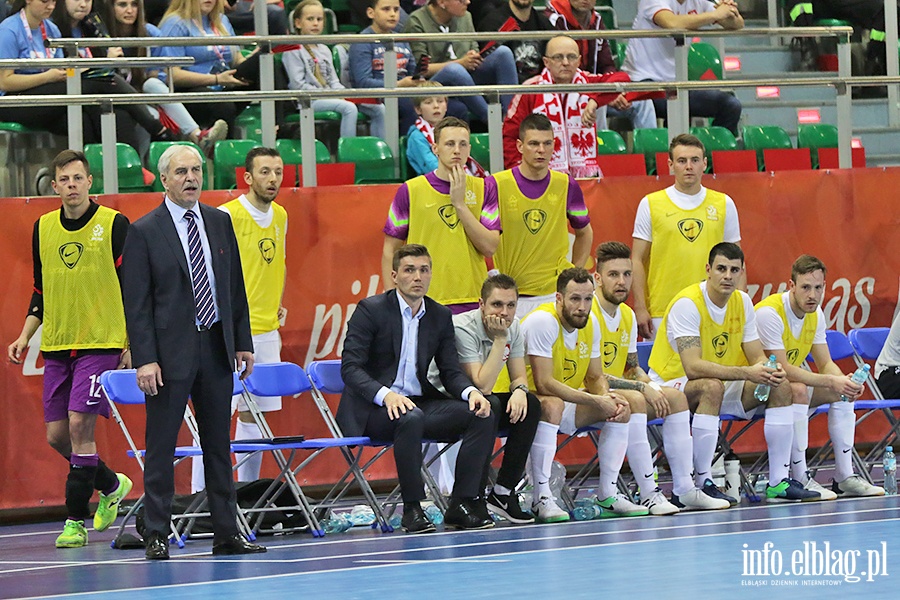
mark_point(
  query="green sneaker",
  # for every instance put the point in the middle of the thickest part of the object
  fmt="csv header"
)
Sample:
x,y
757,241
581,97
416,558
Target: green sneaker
x,y
109,505
73,536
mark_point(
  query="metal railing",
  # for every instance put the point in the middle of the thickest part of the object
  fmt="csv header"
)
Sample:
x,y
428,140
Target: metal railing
x,y
677,98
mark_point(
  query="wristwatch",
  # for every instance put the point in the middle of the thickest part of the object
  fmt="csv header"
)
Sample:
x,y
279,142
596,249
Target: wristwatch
x,y
521,386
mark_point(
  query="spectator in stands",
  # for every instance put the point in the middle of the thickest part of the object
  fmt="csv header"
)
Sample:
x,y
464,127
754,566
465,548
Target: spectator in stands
x,y
240,14
392,338
420,138
125,18
311,67
519,15
215,67
77,299
597,58
22,36
791,326
887,367
653,59
463,231
709,348
574,115
360,18
867,14
459,62
667,248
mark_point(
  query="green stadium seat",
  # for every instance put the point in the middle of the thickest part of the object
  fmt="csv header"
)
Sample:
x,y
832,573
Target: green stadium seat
x,y
704,62
649,142
481,149
292,154
227,155
372,156
815,136
714,138
764,137
404,162
131,171
157,149
610,142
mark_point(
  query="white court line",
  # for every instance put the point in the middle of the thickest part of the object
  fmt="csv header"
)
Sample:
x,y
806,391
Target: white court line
x,y
207,558
443,560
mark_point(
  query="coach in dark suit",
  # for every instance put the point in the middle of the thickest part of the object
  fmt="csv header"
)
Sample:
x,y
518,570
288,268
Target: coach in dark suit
x,y
189,327
391,341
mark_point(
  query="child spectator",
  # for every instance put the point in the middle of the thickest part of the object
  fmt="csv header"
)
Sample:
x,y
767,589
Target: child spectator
x,y
420,138
311,68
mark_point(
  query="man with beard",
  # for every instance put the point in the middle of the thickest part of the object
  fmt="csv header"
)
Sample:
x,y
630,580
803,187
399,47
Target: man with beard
x,y
518,15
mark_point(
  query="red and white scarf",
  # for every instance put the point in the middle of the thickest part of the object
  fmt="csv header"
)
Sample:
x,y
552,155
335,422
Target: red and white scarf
x,y
575,147
472,167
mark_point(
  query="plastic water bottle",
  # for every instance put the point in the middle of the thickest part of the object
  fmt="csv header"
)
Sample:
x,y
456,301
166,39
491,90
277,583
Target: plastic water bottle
x,y
434,514
733,475
338,523
890,471
362,514
761,483
396,521
586,509
762,390
860,376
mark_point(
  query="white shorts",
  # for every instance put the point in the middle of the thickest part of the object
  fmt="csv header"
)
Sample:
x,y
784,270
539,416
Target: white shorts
x,y
266,349
731,402
567,423
527,304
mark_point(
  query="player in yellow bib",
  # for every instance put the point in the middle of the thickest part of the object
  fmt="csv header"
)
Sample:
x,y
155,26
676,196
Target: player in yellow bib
x,y
565,370
674,229
623,372
260,226
535,204
792,326
447,210
77,297
708,347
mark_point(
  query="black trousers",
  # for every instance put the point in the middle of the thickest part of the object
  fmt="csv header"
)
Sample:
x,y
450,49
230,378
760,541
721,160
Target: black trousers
x,y
210,391
889,382
443,420
518,440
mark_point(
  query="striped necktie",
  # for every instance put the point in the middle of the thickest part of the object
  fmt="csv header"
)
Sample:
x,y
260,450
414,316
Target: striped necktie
x,y
206,310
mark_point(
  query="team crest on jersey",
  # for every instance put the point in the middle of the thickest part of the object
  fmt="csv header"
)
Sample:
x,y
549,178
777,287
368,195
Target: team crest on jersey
x,y
70,253
534,219
792,355
720,345
690,228
584,351
569,369
267,248
449,216
97,233
610,351
471,198
712,213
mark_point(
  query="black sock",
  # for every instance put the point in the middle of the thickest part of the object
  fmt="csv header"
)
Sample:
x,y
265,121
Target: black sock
x,y
79,489
105,480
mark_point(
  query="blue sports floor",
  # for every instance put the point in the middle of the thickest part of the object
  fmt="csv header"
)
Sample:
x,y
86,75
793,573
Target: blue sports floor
x,y
838,549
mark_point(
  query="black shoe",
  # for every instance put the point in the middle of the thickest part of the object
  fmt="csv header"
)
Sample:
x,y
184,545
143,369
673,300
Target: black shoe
x,y
507,506
415,521
236,544
712,490
462,514
157,546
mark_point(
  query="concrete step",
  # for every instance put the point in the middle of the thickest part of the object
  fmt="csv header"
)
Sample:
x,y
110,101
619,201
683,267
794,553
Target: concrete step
x,y
756,61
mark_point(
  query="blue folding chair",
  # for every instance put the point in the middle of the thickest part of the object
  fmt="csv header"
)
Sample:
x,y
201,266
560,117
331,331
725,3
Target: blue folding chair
x,y
289,379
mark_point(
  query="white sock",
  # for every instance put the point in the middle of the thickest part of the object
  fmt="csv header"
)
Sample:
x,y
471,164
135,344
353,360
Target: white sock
x,y
249,469
706,437
841,430
198,473
676,431
801,443
779,431
639,457
543,449
611,447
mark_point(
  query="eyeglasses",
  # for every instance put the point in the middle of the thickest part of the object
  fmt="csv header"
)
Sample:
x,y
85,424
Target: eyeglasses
x,y
558,58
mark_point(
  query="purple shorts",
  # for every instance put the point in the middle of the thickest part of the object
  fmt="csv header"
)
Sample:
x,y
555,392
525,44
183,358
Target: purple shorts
x,y
73,384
